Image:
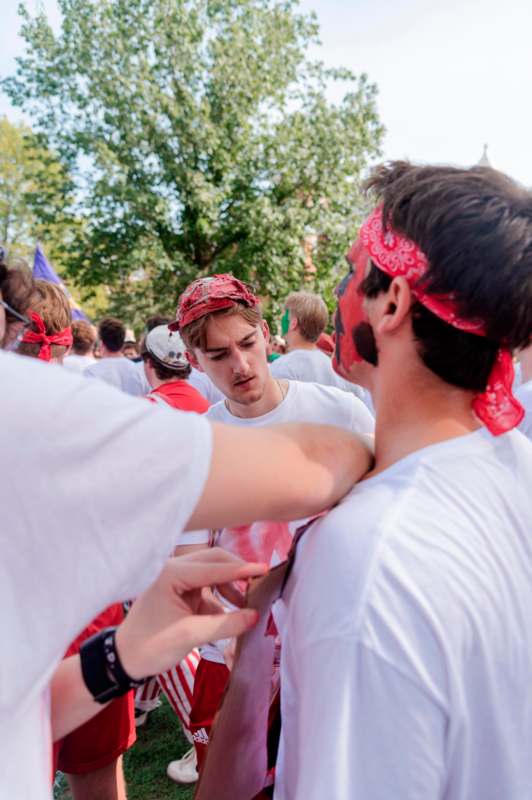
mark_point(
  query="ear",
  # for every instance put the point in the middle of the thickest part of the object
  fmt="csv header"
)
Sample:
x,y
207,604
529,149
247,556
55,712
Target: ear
x,y
396,304
294,323
192,360
266,331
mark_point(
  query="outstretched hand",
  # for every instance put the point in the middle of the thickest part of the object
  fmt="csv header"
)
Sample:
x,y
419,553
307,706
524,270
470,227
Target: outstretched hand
x,y
175,614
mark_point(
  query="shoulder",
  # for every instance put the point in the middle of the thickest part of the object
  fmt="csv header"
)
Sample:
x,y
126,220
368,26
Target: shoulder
x,y
217,412
333,406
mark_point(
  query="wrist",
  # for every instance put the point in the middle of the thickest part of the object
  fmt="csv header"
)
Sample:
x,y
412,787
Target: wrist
x,y
101,667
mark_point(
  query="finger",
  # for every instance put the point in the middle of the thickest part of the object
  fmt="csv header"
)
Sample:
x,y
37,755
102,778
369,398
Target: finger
x,y
198,630
195,574
210,555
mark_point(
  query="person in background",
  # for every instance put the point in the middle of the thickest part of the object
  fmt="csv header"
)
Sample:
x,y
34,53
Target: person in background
x,y
83,341
113,367
49,337
131,348
167,371
326,344
305,319
221,323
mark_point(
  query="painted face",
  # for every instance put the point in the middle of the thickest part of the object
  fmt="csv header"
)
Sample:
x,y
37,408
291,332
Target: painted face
x,y
235,358
350,311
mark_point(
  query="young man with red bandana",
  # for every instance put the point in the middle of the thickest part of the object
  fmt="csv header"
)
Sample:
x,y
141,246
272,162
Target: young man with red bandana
x,y
409,677
220,321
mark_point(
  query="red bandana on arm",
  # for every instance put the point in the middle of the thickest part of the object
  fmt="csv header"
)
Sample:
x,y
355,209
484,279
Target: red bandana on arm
x,y
40,336
206,295
396,255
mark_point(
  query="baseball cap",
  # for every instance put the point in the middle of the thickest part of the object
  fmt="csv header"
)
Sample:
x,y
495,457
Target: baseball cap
x,y
166,346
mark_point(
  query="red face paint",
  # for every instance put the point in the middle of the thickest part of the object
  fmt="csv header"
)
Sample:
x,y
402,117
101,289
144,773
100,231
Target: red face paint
x,y
350,309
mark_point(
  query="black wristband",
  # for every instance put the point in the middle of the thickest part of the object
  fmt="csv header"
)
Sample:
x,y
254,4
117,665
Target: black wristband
x,y
102,670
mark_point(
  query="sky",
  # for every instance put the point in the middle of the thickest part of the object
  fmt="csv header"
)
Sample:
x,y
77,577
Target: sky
x,y
452,75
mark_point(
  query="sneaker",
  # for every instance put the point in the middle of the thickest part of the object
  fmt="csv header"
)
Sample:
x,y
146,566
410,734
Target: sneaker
x,y
185,769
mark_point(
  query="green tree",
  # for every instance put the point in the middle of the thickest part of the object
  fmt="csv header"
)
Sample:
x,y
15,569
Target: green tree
x,y
202,140
34,193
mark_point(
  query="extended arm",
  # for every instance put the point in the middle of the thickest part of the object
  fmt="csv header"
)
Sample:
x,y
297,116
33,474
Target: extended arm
x,y
284,472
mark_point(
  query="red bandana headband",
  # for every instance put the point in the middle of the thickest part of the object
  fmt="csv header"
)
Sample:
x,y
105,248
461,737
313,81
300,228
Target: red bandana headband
x,y
396,255
207,295
40,336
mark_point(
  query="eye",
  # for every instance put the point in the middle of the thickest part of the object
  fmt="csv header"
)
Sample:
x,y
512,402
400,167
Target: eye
x,y
247,345
217,358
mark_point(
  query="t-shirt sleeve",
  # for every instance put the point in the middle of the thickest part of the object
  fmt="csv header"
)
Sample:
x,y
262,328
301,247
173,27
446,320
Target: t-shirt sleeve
x,y
112,482
374,733
362,421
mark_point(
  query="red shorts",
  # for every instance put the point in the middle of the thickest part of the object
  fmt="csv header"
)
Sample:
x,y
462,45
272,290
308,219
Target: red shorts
x,y
209,687
104,738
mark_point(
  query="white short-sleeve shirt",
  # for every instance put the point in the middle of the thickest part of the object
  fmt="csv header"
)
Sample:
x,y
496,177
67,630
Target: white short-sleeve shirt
x,y
409,677
96,487
524,395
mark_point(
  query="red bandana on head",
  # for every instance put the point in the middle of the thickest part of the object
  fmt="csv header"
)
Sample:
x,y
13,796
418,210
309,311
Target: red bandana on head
x,y
206,295
40,336
396,255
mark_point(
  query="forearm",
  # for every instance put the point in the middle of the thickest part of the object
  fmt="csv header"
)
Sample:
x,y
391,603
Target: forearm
x,y
72,703
284,472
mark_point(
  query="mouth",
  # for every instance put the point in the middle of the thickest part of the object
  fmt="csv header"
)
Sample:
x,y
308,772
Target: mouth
x,y
242,383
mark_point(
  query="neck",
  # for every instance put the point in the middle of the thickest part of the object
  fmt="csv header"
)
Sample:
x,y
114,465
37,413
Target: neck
x,y
413,414
272,396
298,343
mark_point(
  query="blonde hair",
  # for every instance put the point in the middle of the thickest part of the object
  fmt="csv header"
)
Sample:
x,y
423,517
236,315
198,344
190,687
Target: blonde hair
x,y
51,303
194,334
311,313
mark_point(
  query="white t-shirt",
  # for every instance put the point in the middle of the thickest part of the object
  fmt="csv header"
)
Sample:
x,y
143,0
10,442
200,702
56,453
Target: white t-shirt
x,y
313,366
204,385
121,372
307,402
304,402
410,677
524,395
96,488
75,363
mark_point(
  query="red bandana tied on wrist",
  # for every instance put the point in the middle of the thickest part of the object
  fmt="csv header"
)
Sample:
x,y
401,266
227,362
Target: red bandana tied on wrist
x,y
40,336
206,295
396,255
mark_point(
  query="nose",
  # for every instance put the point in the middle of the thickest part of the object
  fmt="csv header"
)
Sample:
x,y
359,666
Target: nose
x,y
239,362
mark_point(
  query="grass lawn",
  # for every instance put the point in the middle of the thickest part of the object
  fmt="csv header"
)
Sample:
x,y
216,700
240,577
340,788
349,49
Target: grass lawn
x,y
159,741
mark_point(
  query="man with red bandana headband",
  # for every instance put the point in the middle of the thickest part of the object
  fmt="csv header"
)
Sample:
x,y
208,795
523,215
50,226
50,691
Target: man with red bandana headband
x,y
220,321
409,676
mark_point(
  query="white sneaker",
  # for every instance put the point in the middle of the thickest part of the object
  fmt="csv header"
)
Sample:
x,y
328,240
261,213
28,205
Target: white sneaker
x,y
185,769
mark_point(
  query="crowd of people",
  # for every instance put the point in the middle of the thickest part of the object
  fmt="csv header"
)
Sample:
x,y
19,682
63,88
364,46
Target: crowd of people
x,y
355,504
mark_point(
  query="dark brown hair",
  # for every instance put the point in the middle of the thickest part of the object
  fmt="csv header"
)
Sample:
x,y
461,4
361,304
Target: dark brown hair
x,y
112,333
475,227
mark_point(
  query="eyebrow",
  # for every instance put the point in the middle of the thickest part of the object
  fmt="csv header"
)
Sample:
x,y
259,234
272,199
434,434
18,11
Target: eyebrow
x,y
222,349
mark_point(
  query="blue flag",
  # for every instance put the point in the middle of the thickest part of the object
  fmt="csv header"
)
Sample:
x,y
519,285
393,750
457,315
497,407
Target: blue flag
x,y
43,270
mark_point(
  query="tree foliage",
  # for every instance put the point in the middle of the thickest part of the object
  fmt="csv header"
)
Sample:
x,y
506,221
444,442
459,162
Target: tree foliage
x,y
34,194
201,139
